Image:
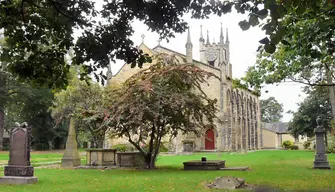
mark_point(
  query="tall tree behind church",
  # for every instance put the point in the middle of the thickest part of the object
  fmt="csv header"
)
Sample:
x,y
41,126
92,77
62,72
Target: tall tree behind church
x,y
271,110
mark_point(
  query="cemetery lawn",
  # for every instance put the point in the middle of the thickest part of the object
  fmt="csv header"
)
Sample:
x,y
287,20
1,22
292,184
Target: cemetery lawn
x,y
290,170
38,158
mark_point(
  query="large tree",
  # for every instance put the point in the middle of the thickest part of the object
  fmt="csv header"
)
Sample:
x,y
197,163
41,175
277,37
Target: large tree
x,y
271,110
316,104
164,100
41,32
9,86
86,103
306,54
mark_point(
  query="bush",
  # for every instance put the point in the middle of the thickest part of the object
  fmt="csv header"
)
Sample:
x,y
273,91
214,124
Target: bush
x,y
123,147
5,148
129,147
307,144
331,144
294,147
330,149
162,148
41,146
287,144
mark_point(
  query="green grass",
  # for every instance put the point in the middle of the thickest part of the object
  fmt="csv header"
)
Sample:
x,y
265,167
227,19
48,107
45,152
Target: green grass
x,y
37,157
281,169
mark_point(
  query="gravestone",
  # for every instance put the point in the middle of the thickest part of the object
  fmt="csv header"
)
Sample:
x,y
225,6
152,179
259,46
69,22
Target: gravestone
x,y
19,170
320,161
204,164
71,156
229,183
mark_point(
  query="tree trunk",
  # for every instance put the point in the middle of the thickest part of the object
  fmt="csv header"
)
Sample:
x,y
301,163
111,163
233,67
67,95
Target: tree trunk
x,y
150,161
98,142
2,123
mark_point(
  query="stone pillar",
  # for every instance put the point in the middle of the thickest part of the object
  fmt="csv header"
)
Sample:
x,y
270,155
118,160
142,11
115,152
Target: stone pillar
x,y
71,156
227,125
320,161
19,170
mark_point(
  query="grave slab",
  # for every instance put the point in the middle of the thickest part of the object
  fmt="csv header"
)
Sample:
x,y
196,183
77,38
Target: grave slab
x,y
204,165
235,168
12,180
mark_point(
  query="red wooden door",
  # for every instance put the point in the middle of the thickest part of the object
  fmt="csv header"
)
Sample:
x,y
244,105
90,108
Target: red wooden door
x,y
209,140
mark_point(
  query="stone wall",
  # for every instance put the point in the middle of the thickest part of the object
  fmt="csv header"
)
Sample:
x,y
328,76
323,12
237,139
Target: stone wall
x,y
269,139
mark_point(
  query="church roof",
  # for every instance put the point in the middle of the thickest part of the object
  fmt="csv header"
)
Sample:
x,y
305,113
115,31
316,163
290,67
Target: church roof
x,y
182,55
277,127
153,51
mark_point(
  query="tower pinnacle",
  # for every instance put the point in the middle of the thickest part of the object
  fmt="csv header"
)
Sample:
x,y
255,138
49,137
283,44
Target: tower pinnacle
x,y
227,38
221,35
201,36
189,46
207,38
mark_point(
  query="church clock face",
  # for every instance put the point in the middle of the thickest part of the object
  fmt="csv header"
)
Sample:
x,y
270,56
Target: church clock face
x,y
211,54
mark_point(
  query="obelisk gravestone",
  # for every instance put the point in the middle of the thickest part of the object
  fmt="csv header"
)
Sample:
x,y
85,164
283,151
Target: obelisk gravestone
x,y
320,161
71,156
19,170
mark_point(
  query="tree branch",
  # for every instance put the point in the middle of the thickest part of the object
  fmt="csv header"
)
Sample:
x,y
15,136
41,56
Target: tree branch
x,y
311,84
328,68
22,12
133,143
65,15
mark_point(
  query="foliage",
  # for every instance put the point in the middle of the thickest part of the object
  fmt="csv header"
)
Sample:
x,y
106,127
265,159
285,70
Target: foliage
x,y
315,105
20,102
33,108
307,144
305,52
237,83
162,100
123,147
87,103
294,147
331,144
271,110
287,144
127,147
39,33
162,148
8,88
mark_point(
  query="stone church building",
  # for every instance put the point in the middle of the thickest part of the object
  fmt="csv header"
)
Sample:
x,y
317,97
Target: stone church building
x,y
238,108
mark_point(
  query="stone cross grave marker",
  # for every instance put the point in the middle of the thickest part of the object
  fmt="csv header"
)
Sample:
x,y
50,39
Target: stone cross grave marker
x,y
19,170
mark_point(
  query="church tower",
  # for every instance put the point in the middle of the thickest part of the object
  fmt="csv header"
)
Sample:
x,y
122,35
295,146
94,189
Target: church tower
x,y
215,54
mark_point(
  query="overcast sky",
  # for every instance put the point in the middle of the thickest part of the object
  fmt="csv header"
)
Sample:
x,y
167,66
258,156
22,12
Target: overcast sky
x,y
243,46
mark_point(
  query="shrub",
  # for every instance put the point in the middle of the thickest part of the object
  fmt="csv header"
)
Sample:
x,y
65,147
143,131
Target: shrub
x,y
330,149
287,144
123,147
307,144
162,147
6,148
294,147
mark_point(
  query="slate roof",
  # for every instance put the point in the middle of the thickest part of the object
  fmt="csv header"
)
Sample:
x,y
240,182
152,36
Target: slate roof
x,y
278,127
